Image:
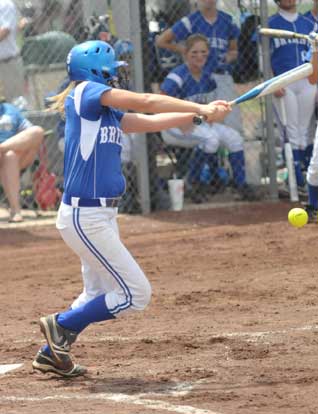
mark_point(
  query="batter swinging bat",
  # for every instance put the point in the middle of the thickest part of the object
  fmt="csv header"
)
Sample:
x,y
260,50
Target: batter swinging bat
x,y
285,34
273,84
292,183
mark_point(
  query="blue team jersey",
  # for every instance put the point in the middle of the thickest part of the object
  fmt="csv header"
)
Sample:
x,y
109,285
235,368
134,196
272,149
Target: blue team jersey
x,y
11,121
219,34
180,84
287,54
312,18
92,163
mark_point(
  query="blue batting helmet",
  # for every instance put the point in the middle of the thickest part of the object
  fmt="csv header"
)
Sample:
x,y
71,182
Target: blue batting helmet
x,y
93,60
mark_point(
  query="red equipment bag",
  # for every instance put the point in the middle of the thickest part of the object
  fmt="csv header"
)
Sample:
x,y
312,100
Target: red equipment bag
x,y
44,183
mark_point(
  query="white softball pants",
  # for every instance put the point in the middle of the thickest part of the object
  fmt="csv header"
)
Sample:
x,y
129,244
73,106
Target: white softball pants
x,y
210,137
299,101
107,266
312,172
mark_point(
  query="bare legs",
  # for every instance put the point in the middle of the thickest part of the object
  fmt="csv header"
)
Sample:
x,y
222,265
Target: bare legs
x,y
16,154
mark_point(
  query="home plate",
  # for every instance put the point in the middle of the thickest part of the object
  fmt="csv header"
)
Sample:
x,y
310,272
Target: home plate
x,y
9,367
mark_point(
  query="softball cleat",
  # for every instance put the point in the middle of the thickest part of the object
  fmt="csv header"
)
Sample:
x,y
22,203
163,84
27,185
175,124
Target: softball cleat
x,y
66,368
58,338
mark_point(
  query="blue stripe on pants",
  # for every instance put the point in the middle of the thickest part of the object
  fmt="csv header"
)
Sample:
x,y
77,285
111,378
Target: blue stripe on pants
x,y
105,264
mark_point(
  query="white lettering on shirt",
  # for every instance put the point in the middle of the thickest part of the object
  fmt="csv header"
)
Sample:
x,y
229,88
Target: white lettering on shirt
x,y
110,134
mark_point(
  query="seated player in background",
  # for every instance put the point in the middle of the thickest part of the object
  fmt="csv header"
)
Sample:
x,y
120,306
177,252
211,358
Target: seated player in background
x,y
222,34
19,145
193,82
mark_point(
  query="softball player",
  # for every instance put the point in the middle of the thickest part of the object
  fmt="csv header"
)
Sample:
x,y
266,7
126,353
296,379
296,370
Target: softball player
x,y
93,184
222,35
312,171
192,81
299,97
312,15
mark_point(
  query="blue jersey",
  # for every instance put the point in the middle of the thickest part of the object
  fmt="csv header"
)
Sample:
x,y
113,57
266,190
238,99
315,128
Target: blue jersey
x,y
287,54
312,18
180,84
11,121
219,34
92,164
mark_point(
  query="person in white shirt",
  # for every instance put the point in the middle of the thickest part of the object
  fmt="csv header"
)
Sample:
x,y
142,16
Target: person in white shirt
x,y
11,65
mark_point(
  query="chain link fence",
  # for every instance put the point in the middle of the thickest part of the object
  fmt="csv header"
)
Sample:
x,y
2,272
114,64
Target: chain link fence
x,y
48,29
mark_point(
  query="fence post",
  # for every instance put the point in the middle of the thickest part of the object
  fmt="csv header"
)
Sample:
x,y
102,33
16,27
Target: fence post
x,y
128,13
273,189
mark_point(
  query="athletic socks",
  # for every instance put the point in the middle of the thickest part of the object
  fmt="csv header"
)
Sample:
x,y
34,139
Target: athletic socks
x,y
298,155
307,156
313,196
237,162
202,166
78,319
196,164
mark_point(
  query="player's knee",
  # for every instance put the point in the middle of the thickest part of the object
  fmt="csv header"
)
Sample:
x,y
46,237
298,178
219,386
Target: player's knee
x,y
10,156
236,143
141,299
210,146
37,134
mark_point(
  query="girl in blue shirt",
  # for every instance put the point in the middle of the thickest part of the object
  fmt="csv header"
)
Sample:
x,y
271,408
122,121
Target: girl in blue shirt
x,y
93,181
194,82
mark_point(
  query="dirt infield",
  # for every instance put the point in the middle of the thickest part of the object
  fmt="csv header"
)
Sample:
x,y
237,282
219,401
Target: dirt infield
x,y
232,327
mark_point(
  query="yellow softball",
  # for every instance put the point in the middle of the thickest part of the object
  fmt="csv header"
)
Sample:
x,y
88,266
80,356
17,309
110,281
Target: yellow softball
x,y
297,217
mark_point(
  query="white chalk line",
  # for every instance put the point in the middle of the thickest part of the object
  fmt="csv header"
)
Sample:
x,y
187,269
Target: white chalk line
x,y
9,367
257,334
119,398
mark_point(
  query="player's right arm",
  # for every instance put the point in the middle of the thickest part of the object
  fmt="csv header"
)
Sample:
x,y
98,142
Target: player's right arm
x,y
156,103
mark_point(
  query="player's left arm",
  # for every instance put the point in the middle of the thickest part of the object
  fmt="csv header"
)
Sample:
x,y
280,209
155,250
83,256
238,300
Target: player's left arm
x,y
136,122
232,53
132,122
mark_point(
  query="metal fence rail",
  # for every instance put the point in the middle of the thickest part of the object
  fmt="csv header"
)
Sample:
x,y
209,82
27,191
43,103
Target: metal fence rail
x,y
48,30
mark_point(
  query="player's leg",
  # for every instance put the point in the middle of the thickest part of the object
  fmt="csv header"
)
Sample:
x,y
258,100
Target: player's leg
x,y
29,139
90,234
226,91
233,141
94,283
292,112
17,153
203,164
10,179
306,95
312,182
201,138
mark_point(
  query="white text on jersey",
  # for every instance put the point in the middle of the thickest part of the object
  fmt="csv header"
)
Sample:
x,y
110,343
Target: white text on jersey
x,y
110,134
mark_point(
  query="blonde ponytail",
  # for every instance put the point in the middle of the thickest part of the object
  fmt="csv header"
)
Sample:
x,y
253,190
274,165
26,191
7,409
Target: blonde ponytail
x,y
58,100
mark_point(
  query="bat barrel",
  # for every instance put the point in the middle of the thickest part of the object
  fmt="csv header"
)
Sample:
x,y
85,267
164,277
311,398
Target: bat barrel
x,y
278,33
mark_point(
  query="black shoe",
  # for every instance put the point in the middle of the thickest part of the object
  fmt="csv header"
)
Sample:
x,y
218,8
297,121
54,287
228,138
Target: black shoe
x,y
58,338
247,193
198,193
66,368
312,214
